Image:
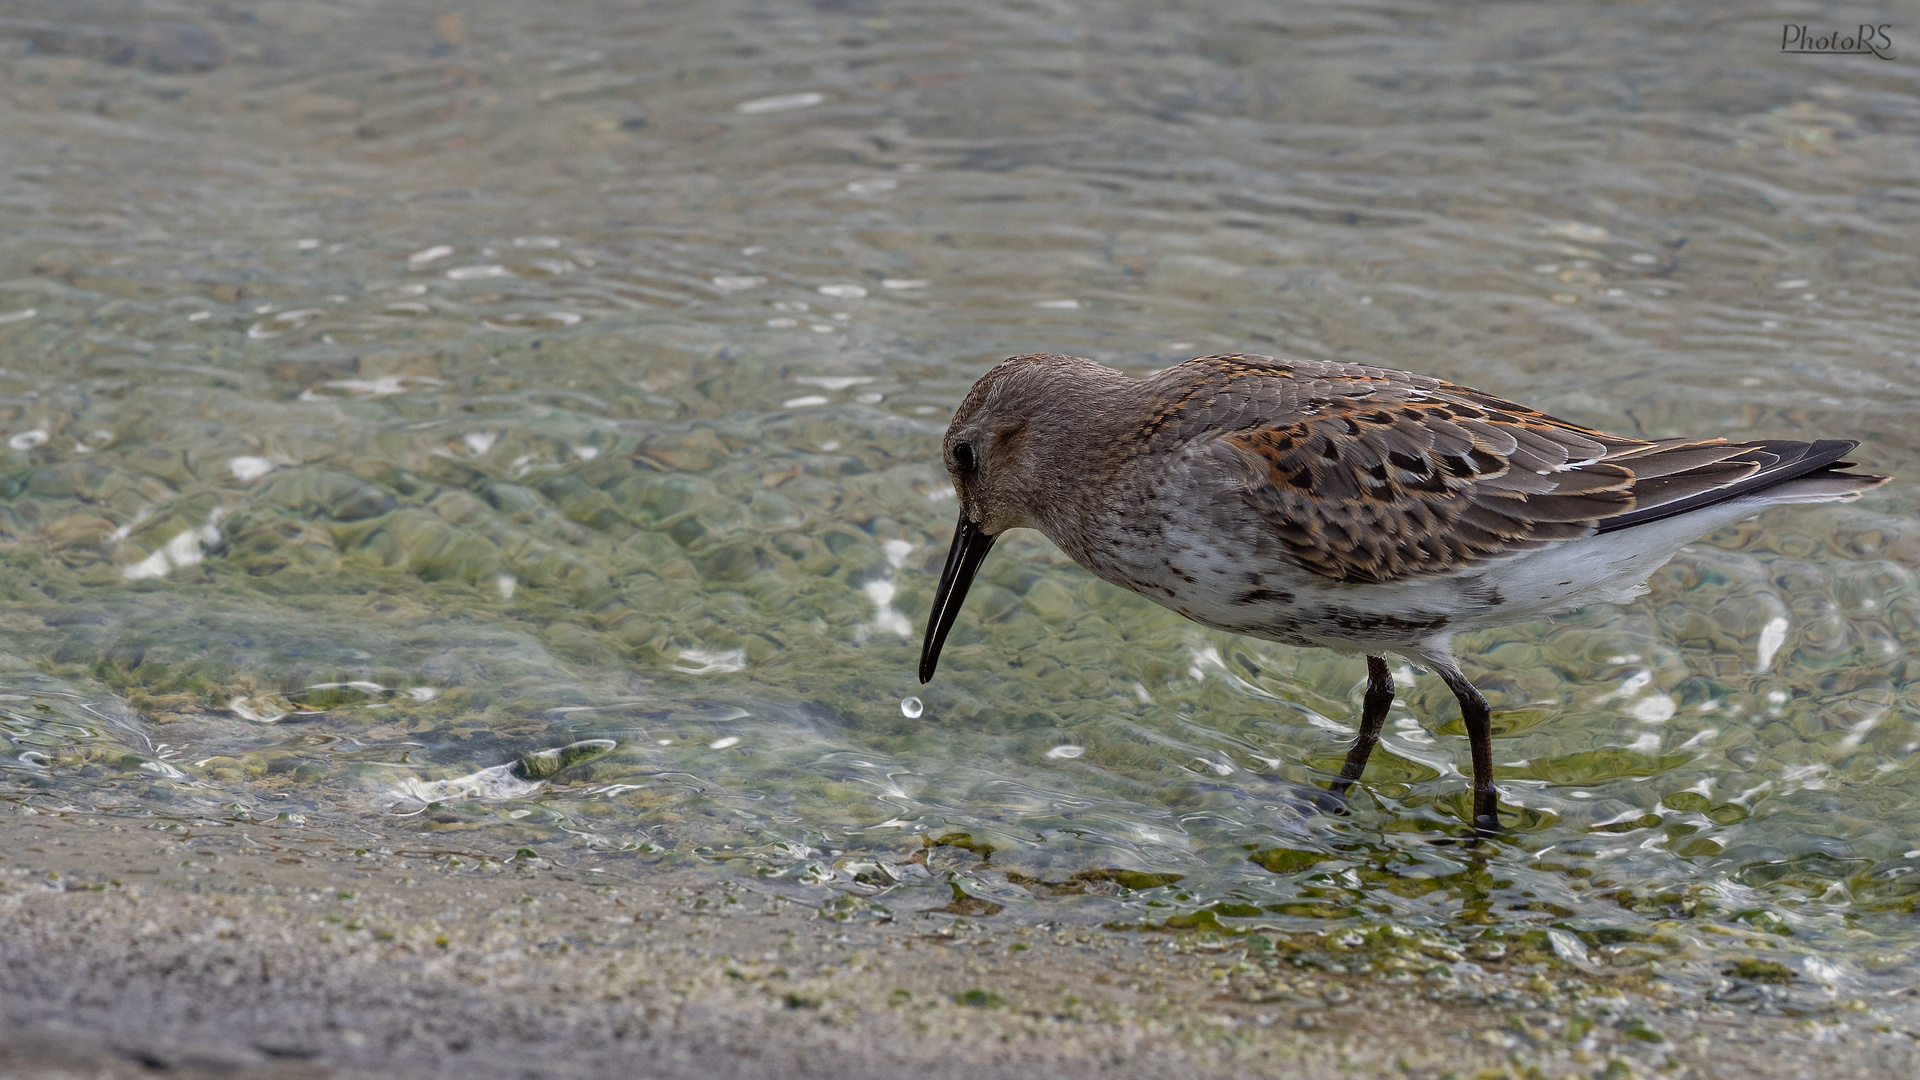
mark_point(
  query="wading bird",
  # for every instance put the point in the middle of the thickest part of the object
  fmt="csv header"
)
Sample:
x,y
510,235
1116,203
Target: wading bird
x,y
1352,508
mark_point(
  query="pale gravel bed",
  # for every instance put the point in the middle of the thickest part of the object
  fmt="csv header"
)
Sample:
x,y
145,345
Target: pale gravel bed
x,y
335,966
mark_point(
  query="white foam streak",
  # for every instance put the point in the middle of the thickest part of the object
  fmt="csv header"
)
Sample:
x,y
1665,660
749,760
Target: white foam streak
x,y
711,663
384,386
780,103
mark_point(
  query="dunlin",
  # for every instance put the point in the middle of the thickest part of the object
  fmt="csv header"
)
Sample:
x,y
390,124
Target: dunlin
x,y
1344,507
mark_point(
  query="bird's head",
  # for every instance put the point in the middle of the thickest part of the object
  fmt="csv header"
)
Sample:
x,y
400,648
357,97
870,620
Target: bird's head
x,y
1008,452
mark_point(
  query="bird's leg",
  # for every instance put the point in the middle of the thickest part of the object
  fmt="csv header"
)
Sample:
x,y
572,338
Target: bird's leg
x,y
1479,721
1373,713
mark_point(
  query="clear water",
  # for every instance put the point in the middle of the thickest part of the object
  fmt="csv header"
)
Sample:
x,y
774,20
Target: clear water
x,y
520,430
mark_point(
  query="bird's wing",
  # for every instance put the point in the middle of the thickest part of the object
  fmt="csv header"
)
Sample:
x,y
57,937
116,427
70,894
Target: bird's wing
x,y
1375,476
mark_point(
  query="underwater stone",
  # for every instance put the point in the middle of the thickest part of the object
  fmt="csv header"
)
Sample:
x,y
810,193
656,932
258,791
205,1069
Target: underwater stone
x,y
543,764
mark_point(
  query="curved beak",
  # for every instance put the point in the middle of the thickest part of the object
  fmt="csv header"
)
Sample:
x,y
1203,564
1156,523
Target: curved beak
x,y
970,547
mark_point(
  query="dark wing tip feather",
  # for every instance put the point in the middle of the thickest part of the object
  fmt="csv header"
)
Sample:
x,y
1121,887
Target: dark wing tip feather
x,y
1768,464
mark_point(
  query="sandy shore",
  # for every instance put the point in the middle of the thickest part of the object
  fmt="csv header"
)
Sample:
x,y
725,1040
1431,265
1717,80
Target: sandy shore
x,y
128,950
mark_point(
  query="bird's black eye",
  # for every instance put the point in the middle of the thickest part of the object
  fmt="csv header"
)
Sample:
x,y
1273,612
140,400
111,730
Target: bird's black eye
x,y
963,457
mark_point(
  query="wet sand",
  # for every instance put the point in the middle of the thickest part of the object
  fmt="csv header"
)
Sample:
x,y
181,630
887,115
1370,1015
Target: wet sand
x,y
230,954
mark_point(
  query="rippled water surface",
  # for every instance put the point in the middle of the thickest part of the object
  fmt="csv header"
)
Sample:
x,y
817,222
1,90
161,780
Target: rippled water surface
x,y
484,426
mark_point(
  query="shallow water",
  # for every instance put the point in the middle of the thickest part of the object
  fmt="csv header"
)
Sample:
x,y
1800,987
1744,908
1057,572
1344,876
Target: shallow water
x,y
519,429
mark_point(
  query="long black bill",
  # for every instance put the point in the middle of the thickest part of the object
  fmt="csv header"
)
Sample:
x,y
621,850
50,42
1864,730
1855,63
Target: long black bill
x,y
970,546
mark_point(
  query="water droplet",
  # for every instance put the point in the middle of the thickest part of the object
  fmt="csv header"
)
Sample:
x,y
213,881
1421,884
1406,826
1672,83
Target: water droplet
x,y
911,708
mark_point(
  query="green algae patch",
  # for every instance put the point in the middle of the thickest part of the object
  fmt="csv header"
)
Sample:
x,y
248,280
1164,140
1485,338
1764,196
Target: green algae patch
x,y
1204,919
1760,971
978,998
1641,1031
1139,880
1286,860
964,904
1765,921
965,842
1096,882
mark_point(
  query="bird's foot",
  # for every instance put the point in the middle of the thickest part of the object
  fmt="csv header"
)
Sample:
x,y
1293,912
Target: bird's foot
x,y
1333,800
